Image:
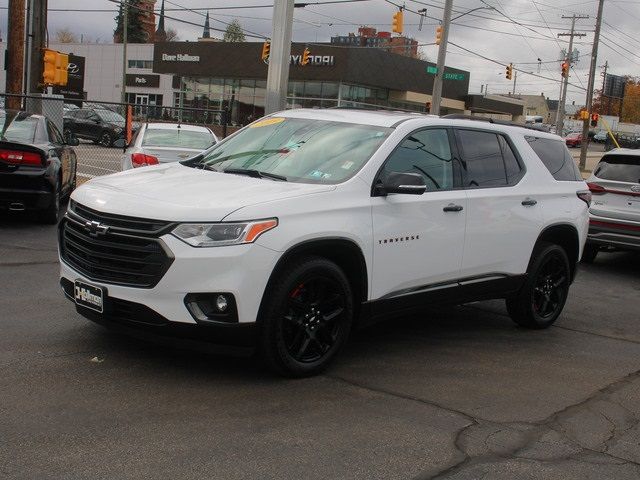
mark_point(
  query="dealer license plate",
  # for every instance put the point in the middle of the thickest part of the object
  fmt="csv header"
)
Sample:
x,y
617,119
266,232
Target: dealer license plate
x,y
88,296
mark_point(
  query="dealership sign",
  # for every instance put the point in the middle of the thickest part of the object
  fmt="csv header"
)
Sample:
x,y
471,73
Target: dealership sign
x,y
314,60
140,80
74,90
180,57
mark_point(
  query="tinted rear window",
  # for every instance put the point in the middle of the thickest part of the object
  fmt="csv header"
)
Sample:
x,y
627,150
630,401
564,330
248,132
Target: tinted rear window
x,y
556,157
620,168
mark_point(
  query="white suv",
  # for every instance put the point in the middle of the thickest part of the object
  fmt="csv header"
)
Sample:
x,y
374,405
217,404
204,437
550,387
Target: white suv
x,y
305,223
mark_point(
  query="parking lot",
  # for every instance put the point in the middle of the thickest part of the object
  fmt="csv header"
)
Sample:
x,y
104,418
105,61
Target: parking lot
x,y
455,392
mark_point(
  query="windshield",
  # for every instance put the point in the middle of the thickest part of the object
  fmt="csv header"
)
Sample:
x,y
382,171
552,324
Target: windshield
x,y
178,137
20,129
109,116
304,150
619,168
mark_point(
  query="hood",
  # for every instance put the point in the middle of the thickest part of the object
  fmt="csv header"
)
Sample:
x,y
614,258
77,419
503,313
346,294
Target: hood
x,y
171,154
175,192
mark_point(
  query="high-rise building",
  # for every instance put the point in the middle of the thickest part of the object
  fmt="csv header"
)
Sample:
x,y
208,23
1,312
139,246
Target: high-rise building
x,y
146,17
370,37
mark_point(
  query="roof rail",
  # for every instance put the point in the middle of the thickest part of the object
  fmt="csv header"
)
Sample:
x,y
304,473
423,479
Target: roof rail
x,y
460,116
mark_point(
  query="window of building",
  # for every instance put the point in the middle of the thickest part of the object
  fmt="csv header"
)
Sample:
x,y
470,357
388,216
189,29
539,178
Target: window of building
x,y
140,64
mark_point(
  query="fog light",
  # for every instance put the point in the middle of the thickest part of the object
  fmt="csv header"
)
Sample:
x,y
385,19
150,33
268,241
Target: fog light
x,y
221,303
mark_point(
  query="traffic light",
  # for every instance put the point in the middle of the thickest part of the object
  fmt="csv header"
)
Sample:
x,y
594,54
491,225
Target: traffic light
x,y
305,57
54,71
584,115
397,23
594,119
509,71
565,69
266,50
49,70
62,72
438,34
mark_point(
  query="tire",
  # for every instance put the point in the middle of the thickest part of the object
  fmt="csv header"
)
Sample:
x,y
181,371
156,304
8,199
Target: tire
x,y
106,140
589,253
306,317
67,134
542,297
52,212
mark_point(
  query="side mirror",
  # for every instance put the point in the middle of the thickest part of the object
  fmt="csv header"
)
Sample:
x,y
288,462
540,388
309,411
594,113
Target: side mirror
x,y
400,182
73,141
119,143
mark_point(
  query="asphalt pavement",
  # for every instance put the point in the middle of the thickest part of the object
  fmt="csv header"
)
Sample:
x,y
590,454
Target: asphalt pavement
x,y
453,393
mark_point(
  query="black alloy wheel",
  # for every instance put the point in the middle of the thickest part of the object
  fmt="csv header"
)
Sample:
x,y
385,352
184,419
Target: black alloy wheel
x,y
306,317
551,286
67,134
542,297
106,140
314,319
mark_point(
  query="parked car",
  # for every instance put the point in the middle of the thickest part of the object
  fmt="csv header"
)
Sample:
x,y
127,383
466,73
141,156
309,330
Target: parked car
x,y
600,137
573,140
614,216
306,223
98,124
157,143
37,167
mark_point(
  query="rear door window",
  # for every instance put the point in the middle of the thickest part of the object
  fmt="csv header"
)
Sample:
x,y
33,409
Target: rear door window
x,y
619,168
488,159
556,157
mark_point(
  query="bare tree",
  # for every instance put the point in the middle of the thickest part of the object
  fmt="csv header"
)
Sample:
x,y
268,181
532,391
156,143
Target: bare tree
x,y
171,35
65,35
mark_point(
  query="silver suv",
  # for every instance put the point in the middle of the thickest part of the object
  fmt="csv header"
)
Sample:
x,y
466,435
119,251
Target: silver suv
x,y
614,216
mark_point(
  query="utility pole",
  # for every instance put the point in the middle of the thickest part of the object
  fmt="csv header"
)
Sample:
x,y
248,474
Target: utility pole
x,y
515,77
35,44
15,53
592,79
436,94
563,99
280,56
125,28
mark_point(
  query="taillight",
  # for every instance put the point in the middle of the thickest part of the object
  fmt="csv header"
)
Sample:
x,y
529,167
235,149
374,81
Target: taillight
x,y
585,196
142,160
596,189
16,157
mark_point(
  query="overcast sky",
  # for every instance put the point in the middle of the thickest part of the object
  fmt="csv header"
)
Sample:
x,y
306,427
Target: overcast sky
x,y
489,32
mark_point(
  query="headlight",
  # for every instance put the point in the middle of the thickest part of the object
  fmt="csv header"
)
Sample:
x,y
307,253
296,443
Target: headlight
x,y
220,234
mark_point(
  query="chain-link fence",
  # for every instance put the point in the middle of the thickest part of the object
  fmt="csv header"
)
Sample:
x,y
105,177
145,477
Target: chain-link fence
x,y
101,127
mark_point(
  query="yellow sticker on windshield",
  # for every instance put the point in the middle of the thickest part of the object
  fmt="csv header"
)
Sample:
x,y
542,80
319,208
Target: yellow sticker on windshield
x,y
267,121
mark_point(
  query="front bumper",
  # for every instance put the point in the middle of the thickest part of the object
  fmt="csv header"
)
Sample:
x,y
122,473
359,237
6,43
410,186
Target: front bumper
x,y
614,233
140,321
241,270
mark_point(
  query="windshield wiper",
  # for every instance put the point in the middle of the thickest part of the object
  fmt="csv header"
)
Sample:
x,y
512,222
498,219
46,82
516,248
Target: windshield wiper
x,y
255,173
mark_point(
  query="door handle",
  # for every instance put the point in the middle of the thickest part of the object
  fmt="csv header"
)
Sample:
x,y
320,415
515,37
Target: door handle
x,y
452,207
529,202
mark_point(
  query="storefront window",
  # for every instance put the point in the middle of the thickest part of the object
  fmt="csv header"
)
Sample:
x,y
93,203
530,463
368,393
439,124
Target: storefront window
x,y
313,90
330,90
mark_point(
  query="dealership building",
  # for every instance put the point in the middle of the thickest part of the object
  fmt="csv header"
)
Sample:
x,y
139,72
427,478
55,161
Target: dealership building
x,y
215,75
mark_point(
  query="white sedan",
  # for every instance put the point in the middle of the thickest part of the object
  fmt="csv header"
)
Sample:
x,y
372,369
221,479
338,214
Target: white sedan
x,y
156,143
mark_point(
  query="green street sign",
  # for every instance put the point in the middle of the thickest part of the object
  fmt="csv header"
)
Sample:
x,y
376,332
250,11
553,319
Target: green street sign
x,y
454,76
431,69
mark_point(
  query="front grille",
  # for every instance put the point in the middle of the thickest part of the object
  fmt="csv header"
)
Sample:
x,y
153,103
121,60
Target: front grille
x,y
122,256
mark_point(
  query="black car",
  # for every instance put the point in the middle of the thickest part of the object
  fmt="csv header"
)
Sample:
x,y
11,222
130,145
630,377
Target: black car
x,y
101,125
37,167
